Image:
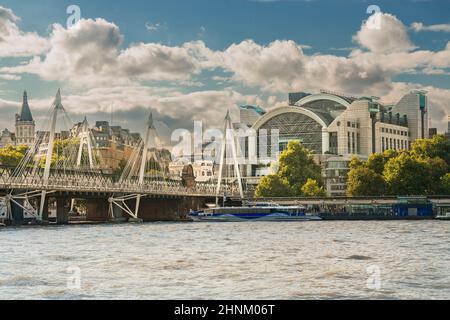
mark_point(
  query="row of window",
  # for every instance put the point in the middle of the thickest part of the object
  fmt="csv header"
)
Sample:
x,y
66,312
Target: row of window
x,y
353,143
394,144
203,173
353,124
19,141
394,131
25,132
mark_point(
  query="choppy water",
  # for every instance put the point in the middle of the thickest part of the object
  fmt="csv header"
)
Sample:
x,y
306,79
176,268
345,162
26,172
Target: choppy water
x,y
305,260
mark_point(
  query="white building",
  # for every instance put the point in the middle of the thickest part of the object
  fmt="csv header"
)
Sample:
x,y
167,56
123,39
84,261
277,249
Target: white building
x,y
203,169
336,127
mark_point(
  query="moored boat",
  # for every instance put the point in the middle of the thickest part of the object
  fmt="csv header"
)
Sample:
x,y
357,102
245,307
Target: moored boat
x,y
255,213
444,216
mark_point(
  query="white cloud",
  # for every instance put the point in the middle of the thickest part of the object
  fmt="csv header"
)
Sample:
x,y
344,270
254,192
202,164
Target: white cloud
x,y
16,43
90,54
392,36
10,77
419,26
153,26
131,103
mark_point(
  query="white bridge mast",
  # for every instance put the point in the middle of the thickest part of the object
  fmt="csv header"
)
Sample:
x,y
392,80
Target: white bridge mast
x,y
228,136
57,106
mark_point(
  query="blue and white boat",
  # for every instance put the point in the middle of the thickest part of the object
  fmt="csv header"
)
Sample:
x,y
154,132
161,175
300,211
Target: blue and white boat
x,y
256,212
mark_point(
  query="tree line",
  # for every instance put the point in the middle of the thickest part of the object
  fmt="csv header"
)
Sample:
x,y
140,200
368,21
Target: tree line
x,y
422,170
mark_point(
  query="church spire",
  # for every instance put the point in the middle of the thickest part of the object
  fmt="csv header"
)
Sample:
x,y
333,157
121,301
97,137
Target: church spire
x,y
25,112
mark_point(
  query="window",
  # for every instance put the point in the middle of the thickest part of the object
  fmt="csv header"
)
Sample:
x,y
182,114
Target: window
x,y
353,143
358,144
382,144
348,124
348,143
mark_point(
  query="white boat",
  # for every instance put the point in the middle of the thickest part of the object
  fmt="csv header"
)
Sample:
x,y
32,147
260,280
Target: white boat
x,y
444,216
255,213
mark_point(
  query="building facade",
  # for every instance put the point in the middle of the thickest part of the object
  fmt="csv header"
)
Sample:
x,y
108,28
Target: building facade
x,y
203,170
7,138
114,143
25,126
335,127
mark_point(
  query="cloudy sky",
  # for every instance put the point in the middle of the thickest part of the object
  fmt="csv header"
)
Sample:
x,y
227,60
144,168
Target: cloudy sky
x,y
193,60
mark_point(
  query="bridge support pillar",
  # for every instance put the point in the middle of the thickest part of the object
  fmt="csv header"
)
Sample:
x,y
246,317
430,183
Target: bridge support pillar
x,y
97,210
117,214
17,215
152,209
62,210
45,211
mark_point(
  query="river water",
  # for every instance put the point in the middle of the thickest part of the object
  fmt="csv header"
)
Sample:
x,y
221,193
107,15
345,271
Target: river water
x,y
260,260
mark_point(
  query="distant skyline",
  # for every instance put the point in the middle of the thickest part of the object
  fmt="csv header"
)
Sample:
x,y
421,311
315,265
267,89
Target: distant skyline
x,y
193,60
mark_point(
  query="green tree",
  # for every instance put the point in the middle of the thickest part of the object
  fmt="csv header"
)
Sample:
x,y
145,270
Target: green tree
x,y
296,165
312,189
363,181
376,162
65,152
438,146
406,175
355,162
437,168
445,184
11,156
272,186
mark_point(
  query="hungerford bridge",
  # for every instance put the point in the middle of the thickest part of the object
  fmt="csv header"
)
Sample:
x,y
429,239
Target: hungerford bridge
x,y
67,172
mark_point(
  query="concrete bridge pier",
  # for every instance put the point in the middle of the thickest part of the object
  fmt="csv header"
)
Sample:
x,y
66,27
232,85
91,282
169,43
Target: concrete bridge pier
x,y
166,209
17,214
117,214
97,210
62,210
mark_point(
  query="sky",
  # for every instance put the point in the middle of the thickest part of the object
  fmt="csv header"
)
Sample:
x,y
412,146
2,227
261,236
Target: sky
x,y
189,61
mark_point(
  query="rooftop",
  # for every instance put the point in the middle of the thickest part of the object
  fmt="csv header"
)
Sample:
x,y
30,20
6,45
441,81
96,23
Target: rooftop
x,y
257,109
25,112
